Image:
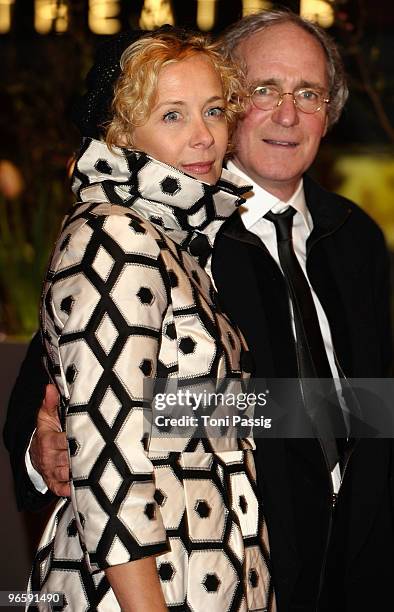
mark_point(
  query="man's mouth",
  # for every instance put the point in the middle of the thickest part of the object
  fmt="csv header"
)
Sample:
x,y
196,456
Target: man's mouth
x,y
281,143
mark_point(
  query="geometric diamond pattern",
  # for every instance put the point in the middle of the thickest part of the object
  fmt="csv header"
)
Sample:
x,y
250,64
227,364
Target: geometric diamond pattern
x,y
106,333
134,496
110,480
110,407
118,551
103,263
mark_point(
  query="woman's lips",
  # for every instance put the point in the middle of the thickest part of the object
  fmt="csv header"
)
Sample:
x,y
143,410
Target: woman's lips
x,y
198,167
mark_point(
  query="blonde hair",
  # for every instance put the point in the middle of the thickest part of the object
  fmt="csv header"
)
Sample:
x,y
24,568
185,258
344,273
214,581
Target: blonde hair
x,y
136,89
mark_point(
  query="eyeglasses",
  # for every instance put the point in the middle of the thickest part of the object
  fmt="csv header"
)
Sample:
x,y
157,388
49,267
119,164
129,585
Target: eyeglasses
x,y
307,100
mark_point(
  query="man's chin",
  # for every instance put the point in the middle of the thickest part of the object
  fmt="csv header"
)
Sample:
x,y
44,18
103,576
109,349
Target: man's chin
x,y
280,184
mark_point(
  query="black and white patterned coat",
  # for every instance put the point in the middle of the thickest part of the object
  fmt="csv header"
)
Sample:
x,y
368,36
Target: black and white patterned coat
x,y
127,299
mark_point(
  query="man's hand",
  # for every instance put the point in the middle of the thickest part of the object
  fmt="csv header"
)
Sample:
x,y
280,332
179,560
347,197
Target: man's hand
x,y
48,449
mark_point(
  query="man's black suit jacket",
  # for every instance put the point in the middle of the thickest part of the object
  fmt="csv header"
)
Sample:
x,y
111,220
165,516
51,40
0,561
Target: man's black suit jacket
x,y
347,265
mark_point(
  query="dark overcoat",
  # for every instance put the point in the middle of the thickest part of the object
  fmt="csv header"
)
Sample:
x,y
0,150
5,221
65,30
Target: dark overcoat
x,y
344,556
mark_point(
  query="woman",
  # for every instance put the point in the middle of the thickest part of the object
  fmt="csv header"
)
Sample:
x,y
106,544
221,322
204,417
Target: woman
x,y
149,527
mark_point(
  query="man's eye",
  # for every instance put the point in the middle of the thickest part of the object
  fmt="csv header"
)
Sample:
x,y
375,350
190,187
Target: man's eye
x,y
265,91
308,94
216,111
171,116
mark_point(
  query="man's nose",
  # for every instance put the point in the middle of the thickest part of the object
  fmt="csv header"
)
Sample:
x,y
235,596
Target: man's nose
x,y
286,113
201,136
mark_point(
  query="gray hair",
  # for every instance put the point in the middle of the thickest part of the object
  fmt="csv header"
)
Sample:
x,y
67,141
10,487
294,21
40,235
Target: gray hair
x,y
246,27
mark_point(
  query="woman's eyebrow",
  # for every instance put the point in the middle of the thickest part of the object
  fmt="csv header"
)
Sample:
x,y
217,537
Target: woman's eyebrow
x,y
183,103
171,102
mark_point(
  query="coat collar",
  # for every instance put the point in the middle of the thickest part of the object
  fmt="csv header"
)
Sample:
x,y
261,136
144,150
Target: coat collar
x,y
190,211
327,216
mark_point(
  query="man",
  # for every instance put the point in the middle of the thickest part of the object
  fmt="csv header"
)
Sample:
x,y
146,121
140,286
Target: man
x,y
323,558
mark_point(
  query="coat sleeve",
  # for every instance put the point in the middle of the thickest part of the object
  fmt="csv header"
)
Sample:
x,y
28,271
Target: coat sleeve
x,y
107,300
382,299
25,400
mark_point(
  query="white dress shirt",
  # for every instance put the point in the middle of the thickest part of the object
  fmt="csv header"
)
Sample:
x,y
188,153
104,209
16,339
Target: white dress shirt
x,y
34,476
252,215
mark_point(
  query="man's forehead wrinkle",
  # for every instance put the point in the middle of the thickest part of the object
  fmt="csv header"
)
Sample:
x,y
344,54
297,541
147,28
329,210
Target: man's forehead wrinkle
x,y
278,82
278,72
249,50
265,81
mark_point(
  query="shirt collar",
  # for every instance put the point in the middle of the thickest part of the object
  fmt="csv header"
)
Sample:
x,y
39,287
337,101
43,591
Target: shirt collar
x,y
259,201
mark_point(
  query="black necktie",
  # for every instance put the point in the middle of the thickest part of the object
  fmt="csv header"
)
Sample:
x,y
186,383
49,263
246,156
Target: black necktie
x,y
326,416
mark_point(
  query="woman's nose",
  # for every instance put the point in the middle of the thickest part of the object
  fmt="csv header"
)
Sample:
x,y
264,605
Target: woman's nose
x,y
201,134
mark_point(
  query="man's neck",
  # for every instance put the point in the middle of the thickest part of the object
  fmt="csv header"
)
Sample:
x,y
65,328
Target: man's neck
x,y
279,189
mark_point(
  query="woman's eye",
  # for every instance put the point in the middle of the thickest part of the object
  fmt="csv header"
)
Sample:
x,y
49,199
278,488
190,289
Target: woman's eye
x,y
171,116
217,111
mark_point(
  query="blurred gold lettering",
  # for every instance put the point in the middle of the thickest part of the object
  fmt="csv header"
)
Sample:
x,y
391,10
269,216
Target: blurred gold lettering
x,y
254,6
103,16
156,13
206,12
5,15
317,10
50,16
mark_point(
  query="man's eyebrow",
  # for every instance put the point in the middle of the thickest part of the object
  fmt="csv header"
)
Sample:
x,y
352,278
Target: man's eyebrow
x,y
311,85
278,83
261,82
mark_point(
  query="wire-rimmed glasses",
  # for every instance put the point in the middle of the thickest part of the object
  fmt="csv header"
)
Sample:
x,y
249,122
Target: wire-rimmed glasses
x,y
306,99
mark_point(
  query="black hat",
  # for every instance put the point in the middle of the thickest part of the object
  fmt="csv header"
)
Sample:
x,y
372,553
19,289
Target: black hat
x,y
93,109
